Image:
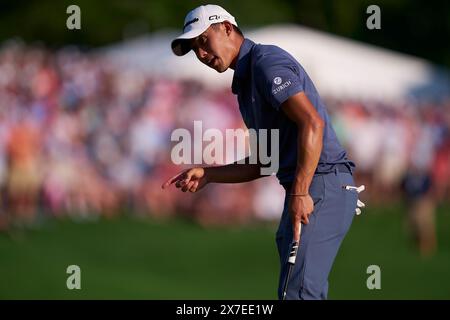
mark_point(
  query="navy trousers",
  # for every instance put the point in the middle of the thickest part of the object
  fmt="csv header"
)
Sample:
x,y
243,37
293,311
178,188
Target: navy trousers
x,y
334,209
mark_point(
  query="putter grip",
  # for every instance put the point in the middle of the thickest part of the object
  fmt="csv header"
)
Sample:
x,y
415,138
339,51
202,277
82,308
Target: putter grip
x,y
293,254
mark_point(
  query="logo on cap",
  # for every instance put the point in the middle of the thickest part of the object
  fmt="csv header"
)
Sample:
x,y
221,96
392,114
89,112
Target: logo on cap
x,y
190,22
214,17
277,80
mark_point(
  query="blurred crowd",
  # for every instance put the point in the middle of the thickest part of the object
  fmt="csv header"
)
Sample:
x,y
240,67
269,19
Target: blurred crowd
x,y
389,142
81,137
402,151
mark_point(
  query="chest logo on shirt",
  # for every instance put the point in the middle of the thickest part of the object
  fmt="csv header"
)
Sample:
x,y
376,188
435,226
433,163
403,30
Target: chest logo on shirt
x,y
277,80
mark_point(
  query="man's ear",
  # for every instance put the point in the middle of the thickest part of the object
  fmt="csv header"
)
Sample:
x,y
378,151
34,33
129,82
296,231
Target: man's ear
x,y
228,27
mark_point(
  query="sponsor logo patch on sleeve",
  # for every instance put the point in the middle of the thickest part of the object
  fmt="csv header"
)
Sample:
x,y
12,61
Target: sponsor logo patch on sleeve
x,y
281,87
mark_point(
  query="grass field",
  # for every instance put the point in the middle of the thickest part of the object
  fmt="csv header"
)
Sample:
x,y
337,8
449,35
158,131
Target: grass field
x,y
130,258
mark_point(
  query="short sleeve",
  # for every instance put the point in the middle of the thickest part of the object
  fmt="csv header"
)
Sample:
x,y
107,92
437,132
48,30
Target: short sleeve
x,y
277,78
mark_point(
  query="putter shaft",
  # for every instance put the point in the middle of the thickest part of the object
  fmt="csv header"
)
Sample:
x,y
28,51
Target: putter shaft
x,y
291,262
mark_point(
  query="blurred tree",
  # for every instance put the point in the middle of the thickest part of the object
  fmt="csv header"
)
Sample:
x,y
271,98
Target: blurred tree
x,y
416,27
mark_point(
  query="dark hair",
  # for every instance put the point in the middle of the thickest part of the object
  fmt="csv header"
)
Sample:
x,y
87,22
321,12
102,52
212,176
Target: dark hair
x,y
236,29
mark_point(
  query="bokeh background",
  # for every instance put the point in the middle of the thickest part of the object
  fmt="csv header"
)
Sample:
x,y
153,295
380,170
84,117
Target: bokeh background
x,y
85,123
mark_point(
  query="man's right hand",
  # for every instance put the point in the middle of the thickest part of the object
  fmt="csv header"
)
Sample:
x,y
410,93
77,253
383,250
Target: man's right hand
x,y
190,180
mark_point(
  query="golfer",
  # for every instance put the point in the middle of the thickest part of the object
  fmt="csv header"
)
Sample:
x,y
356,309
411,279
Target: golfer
x,y
275,92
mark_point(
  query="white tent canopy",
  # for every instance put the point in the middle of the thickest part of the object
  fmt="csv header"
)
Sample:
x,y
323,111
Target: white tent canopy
x,y
339,67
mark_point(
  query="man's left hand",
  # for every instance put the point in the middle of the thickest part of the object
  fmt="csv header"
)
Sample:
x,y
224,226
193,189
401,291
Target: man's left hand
x,y
300,208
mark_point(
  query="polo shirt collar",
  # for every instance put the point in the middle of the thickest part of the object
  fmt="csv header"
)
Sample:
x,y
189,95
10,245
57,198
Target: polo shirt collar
x,y
242,64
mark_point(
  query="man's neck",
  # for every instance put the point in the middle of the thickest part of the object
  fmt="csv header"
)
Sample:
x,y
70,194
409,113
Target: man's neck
x,y
239,42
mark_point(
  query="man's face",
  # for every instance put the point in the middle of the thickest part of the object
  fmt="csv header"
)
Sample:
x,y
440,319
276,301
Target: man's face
x,y
214,47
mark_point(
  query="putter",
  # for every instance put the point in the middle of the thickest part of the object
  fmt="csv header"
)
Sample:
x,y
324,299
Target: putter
x,y
291,262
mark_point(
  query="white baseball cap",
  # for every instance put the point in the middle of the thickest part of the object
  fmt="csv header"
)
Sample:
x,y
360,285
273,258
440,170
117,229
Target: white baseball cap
x,y
196,22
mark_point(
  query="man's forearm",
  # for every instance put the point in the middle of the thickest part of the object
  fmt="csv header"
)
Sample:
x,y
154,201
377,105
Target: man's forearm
x,y
233,173
309,149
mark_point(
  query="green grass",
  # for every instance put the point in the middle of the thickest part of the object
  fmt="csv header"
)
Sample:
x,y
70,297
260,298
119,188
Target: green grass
x,y
131,258
381,239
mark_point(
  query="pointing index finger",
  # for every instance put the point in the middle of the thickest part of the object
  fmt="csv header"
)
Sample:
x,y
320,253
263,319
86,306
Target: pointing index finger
x,y
175,178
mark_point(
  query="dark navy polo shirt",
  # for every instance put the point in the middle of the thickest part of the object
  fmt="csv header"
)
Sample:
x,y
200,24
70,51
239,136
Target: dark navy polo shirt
x,y
266,76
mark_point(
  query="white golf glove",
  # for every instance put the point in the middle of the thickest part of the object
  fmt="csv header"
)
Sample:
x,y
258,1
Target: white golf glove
x,y
359,203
